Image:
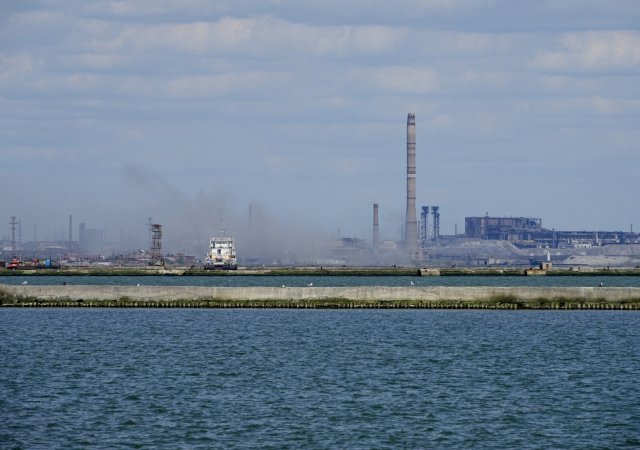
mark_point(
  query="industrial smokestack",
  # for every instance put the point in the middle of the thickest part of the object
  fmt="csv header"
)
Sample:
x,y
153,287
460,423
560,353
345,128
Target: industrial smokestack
x,y
436,222
411,224
376,231
70,232
423,235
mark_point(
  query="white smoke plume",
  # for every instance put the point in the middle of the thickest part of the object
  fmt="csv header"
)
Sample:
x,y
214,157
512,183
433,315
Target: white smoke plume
x,y
188,221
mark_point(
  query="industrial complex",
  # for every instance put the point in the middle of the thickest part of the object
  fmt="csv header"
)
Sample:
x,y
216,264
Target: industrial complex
x,y
494,241
486,241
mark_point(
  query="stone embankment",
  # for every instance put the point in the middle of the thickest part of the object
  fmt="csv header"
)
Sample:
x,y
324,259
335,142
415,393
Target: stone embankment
x,y
323,297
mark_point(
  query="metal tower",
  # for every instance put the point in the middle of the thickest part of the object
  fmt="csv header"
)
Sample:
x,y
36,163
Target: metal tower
x,y
156,245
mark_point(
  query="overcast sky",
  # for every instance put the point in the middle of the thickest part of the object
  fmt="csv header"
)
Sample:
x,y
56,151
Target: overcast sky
x,y
185,110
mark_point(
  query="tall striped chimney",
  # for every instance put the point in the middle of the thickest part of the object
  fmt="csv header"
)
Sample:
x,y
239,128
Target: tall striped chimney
x,y
411,224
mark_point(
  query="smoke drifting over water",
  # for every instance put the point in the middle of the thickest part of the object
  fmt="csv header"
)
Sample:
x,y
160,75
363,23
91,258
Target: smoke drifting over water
x,y
188,221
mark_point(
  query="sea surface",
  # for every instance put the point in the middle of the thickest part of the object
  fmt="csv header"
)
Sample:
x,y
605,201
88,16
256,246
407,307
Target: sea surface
x,y
187,378
276,281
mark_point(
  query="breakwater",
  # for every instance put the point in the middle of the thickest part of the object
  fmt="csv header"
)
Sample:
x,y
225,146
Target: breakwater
x,y
518,297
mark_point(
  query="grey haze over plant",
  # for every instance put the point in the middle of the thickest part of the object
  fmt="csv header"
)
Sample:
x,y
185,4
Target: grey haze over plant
x,y
189,111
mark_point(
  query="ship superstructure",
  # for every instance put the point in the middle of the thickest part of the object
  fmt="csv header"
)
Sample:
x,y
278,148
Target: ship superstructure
x,y
222,253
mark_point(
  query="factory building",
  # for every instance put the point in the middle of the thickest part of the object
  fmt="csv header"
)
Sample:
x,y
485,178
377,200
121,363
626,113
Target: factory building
x,y
90,238
528,232
429,233
501,228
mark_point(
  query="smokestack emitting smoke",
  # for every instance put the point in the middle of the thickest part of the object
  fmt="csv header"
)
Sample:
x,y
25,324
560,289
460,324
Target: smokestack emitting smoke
x,y
411,224
376,233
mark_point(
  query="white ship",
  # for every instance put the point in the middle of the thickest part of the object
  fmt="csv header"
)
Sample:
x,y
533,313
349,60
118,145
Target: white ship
x,y
222,253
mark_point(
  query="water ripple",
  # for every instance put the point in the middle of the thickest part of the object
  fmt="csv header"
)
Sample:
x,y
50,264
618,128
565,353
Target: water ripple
x,y
327,281
132,378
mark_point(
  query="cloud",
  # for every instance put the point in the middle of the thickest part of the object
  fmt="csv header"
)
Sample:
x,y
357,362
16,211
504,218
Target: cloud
x,y
596,50
313,10
612,106
196,86
15,66
254,36
131,135
72,83
146,8
96,61
29,153
279,165
577,108
564,83
36,18
443,121
494,79
405,79
110,88
473,42
36,27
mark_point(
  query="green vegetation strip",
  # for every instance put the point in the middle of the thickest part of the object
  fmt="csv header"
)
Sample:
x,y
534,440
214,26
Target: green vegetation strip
x,y
506,302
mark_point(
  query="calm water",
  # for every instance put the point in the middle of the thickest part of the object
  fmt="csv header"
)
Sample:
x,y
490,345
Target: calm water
x,y
136,378
240,280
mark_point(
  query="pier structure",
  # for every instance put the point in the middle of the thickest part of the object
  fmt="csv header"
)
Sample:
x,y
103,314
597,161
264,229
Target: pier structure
x,y
520,297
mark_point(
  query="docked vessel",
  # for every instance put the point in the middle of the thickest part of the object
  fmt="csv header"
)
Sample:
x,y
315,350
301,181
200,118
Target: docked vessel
x,y
222,253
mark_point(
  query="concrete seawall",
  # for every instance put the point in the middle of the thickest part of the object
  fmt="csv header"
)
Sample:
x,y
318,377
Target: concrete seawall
x,y
359,296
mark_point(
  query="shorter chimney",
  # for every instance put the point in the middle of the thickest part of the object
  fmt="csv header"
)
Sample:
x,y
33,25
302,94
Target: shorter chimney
x,y
376,231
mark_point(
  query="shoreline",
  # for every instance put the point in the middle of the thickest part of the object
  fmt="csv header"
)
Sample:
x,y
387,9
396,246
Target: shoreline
x,y
317,271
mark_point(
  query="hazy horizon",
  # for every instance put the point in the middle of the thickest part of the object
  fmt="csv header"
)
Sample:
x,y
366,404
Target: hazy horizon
x,y
189,111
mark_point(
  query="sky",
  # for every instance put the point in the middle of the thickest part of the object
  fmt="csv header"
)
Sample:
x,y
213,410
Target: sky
x,y
190,111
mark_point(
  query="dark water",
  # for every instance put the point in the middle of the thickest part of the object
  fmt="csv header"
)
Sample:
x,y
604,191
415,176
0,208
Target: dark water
x,y
136,378
276,281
